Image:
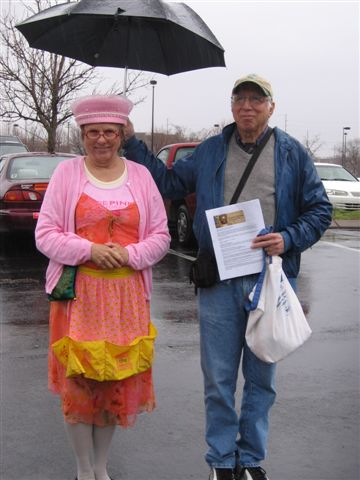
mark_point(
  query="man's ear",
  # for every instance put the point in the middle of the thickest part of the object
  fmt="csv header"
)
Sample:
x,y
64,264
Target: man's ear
x,y
272,108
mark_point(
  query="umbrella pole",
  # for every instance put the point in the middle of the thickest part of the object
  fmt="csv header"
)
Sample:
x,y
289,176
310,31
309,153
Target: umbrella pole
x,y
125,79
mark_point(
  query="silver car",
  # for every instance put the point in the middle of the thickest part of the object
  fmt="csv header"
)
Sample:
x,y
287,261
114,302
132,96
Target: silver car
x,y
342,188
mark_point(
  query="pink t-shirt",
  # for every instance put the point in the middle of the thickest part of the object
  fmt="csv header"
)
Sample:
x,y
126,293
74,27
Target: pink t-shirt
x,y
113,195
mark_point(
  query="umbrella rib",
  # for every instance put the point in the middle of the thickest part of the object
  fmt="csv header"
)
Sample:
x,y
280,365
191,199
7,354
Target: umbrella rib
x,y
127,42
162,48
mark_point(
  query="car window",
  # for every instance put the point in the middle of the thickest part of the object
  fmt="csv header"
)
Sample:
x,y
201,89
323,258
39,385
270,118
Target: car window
x,y
334,173
182,152
163,155
12,148
2,164
22,168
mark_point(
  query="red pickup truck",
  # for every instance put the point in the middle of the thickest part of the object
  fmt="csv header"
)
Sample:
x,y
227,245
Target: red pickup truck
x,y
180,212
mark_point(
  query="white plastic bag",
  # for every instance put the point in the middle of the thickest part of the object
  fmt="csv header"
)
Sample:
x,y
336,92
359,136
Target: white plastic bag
x,y
276,325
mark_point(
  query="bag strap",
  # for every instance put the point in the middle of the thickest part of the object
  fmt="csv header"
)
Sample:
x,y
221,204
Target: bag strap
x,y
250,166
252,304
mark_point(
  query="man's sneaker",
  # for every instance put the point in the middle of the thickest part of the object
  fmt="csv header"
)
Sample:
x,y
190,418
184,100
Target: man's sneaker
x,y
251,473
221,474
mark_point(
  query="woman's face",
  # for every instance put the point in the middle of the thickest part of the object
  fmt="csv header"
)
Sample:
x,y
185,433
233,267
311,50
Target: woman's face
x,y
102,141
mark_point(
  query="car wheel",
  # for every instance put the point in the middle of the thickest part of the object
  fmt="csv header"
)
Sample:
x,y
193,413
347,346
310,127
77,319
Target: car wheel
x,y
183,226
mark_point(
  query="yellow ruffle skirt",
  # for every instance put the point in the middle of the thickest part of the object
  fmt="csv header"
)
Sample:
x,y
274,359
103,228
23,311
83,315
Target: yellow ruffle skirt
x,y
102,361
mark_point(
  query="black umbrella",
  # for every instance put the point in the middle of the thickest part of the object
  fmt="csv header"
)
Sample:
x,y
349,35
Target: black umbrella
x,y
149,35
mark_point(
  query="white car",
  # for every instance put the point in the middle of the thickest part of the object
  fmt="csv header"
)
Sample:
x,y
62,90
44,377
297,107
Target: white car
x,y
342,188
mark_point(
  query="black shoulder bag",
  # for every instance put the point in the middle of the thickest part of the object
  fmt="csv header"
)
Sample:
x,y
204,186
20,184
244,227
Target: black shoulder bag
x,y
203,271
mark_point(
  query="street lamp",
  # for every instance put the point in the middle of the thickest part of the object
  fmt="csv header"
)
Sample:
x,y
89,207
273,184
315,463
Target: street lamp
x,y
343,150
345,135
153,83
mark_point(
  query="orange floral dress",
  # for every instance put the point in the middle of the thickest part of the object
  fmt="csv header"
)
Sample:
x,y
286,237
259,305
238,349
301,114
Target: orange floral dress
x,y
108,308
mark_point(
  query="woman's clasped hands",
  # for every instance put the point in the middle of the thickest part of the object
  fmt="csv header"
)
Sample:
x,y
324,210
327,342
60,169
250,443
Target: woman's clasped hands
x,y
109,255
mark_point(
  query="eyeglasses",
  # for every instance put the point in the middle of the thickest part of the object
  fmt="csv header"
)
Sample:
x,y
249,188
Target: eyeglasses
x,y
96,134
254,100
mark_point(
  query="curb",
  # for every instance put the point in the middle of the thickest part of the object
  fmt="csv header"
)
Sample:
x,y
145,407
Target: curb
x,y
346,224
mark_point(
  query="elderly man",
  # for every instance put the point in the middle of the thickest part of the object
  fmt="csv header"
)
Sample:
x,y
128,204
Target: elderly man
x,y
294,202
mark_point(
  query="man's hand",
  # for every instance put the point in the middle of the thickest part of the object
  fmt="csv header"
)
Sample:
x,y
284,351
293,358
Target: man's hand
x,y
273,243
128,130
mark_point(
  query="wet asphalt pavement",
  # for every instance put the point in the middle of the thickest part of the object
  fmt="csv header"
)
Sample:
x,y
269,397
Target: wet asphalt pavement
x,y
314,424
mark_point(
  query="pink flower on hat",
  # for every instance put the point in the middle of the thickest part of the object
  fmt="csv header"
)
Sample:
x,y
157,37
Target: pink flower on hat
x,y
102,109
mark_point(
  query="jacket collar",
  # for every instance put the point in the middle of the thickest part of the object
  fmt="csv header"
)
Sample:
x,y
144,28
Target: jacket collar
x,y
280,136
227,131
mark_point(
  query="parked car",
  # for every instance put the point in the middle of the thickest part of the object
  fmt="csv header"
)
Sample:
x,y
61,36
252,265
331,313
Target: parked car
x,y
24,178
342,188
11,144
180,212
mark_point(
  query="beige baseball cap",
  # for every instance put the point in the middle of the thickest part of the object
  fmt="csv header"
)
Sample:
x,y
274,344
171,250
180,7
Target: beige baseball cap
x,y
259,81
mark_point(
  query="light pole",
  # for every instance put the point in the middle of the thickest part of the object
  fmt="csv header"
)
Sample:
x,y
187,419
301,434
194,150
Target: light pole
x,y
343,150
345,135
153,83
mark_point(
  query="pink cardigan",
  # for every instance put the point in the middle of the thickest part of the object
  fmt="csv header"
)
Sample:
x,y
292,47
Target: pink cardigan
x,y
55,231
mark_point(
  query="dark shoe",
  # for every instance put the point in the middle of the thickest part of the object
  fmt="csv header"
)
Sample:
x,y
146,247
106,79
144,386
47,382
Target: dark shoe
x,y
251,473
221,474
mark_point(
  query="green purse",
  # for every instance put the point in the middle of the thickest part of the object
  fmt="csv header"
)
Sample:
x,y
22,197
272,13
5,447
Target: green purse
x,y
65,287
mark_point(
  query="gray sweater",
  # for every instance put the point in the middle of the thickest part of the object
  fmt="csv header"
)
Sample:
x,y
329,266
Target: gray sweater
x,y
261,175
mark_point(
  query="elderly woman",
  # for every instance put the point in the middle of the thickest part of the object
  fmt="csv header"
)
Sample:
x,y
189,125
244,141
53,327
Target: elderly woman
x,y
104,214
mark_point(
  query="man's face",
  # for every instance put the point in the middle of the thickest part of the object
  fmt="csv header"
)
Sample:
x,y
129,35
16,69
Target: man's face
x,y
251,111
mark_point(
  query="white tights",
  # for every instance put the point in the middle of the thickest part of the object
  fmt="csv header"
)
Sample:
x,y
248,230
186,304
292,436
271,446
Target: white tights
x,y
87,441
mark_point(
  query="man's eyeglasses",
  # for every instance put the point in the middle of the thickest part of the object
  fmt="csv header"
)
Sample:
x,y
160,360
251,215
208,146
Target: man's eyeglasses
x,y
107,134
254,100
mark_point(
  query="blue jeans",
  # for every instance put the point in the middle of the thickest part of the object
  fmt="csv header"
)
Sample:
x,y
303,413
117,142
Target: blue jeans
x,y
222,343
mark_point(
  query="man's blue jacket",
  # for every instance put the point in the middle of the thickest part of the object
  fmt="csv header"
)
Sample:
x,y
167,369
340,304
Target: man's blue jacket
x,y
303,211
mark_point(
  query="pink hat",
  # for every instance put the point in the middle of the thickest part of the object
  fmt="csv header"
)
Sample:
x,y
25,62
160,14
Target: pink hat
x,y
101,109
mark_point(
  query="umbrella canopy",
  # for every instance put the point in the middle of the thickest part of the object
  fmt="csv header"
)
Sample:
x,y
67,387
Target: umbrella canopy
x,y
149,35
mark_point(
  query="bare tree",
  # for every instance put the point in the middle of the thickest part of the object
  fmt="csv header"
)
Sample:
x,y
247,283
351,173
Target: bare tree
x,y
36,86
214,130
136,80
179,134
312,144
352,159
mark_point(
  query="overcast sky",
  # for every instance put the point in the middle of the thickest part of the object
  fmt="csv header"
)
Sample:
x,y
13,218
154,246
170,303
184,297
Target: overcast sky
x,y
308,50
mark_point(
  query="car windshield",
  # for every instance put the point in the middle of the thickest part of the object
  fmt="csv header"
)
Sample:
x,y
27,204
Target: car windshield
x,y
6,148
334,173
23,168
